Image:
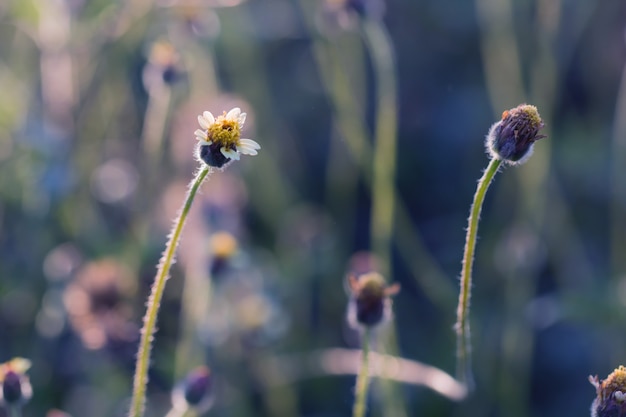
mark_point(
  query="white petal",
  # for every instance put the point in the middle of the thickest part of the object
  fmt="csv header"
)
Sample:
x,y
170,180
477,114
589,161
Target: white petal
x,y
200,133
203,122
208,116
247,151
233,114
249,143
203,139
248,147
230,154
242,119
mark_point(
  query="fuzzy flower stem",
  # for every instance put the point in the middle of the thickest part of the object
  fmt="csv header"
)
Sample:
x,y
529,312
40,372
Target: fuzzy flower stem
x,y
154,302
362,380
464,363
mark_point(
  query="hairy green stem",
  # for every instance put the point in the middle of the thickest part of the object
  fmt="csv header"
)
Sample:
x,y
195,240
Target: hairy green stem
x,y
463,346
362,380
154,302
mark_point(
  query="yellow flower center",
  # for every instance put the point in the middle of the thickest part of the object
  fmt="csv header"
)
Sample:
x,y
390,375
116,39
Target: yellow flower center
x,y
224,132
527,111
616,381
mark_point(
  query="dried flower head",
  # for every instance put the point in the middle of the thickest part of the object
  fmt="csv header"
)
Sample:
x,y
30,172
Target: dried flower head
x,y
370,304
16,388
611,394
220,139
195,391
512,138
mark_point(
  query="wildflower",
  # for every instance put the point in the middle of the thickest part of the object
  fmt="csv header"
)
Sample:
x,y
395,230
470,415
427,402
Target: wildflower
x,y
223,247
16,388
220,138
164,65
611,394
195,391
512,138
97,305
370,303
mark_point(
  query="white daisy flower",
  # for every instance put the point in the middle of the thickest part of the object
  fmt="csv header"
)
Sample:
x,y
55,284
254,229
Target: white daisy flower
x,y
219,138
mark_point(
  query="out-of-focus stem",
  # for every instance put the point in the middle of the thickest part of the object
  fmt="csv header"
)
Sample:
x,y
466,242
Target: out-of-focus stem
x,y
155,120
57,65
15,411
427,273
383,188
362,381
196,298
500,53
618,192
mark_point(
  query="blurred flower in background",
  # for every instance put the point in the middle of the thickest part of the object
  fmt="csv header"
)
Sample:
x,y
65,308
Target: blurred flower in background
x,y
243,312
97,304
164,65
16,388
223,249
194,392
370,302
114,181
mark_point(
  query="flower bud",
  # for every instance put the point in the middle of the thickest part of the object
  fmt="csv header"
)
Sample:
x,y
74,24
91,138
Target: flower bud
x,y
223,247
16,388
370,303
163,67
611,394
12,388
512,138
195,391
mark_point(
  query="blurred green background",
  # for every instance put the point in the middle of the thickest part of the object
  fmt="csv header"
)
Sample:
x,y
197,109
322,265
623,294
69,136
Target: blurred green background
x,y
98,107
